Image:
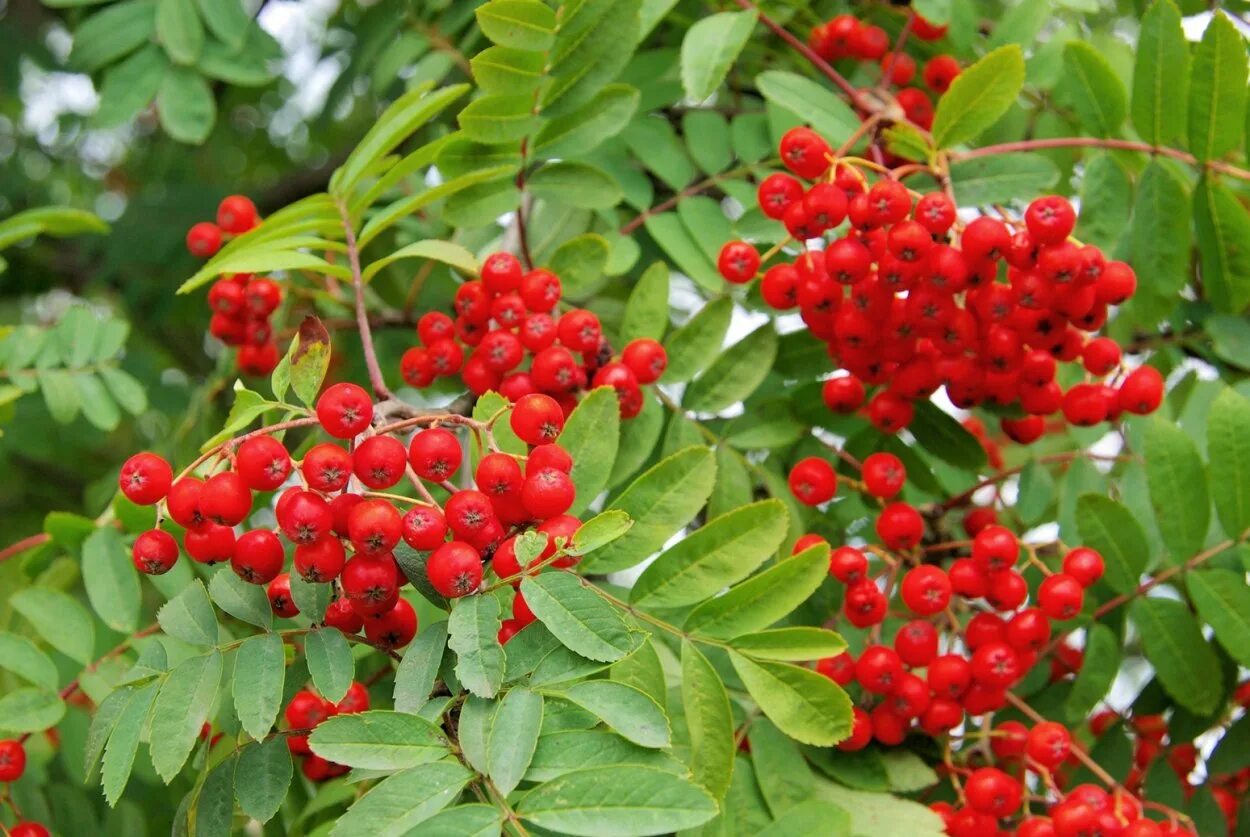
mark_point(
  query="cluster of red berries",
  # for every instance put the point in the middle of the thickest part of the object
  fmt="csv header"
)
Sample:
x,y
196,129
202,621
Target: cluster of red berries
x,y
241,303
306,710
508,317
12,766
847,37
322,517
909,300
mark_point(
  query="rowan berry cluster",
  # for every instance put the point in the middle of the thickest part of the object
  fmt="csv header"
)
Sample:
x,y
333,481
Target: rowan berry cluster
x,y
909,299
507,336
241,302
342,527
846,37
12,766
305,712
970,631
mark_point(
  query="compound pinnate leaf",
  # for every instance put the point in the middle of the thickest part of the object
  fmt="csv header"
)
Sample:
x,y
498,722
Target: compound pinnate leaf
x,y
806,706
710,47
1184,663
330,662
979,96
180,710
474,636
579,617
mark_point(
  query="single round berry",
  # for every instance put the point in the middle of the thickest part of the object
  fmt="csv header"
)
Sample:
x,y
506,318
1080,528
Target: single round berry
x,y
211,543
861,732
204,239
455,569
1049,744
547,493
320,561
226,499
340,615
1060,596
995,548
926,590
900,526
813,481
258,556
393,628
146,478
379,462
435,454
263,463
236,214
878,669
344,410
501,273
1084,564
423,527
646,358
884,475
327,467
280,600
303,516
374,527
12,760
991,791
537,419
154,552
370,584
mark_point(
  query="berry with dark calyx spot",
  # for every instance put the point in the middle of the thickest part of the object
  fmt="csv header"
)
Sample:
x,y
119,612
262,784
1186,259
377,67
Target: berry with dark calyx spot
x,y
146,479
435,454
900,526
995,548
537,419
263,463
813,481
621,378
916,643
211,543
280,601
848,564
926,590
341,615
226,499
547,493
379,462
579,330
844,394
344,410
878,669
455,569
393,628
646,358
258,556
540,290
320,561
991,791
29,829
374,527
370,584
839,669
501,273
1141,392
154,552
423,527
12,760
805,152
1083,564
204,239
327,467
1061,596
1048,744
303,516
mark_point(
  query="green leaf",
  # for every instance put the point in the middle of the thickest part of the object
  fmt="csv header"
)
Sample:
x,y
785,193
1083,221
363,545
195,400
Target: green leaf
x,y
760,601
708,139
723,552
521,24
180,30
734,375
879,813
1217,97
568,751
675,240
246,68
698,342
227,19
60,394
474,731
1161,76
23,658
515,72
397,805
591,435
578,616
1178,487
312,599
791,644
189,616
474,629
579,262
810,818
98,407
979,96
305,363
1230,338
128,87
1228,447
123,742
441,251
262,777
594,42
629,712
1159,237
584,129
29,709
111,581
575,184
498,118
112,33
810,102
59,620
330,662
660,502
180,710
1111,529
617,800
474,820
1097,93
414,679
513,738
1184,663
784,778
942,435
257,683
378,740
240,599
806,706
646,312
1223,602
709,722
1098,671
600,530
186,106
1106,200
125,389
1222,227
710,47
1002,178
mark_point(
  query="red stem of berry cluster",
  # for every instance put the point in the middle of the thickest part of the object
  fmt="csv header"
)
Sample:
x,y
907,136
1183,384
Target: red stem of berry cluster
x,y
1148,585
362,314
24,544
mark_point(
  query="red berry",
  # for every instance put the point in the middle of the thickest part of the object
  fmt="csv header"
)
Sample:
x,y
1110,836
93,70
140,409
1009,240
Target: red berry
x,y
739,261
424,527
263,463
847,564
900,66
258,556
1049,744
501,273
455,569
878,669
621,378
204,239
303,516
869,42
341,615
839,669
646,358
949,676
549,456
916,643
967,579
435,454
1006,590
370,584
861,732
154,552
226,499
344,410
1141,392
327,467
374,527
537,419
29,829
813,481
776,193
356,700
306,710
236,214
1083,564
844,394
320,562
540,289
994,549
12,760
864,604
900,526
805,152
280,601
991,791
580,331
393,628
146,478
926,590
379,461
508,628
1101,355
1050,219
884,475
939,71
996,665
547,493
1060,596
209,544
